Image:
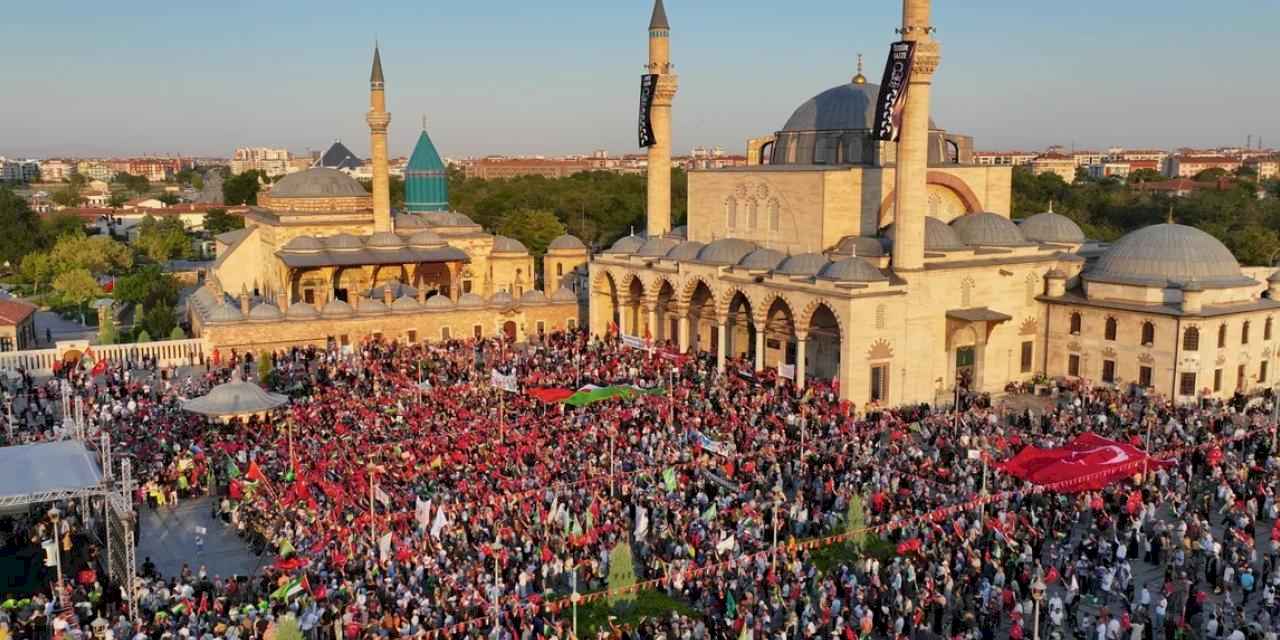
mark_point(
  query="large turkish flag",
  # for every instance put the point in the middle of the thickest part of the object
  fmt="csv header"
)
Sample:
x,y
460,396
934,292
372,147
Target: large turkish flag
x,y
1087,463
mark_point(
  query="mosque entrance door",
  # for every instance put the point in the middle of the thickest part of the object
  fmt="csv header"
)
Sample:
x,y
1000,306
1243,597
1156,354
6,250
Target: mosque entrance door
x,y
965,357
509,329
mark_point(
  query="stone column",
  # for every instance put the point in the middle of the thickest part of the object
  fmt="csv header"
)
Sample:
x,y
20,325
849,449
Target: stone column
x,y
683,338
801,343
760,331
722,342
652,329
912,171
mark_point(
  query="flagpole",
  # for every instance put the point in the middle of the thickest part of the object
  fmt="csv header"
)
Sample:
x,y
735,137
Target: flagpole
x,y
611,465
373,535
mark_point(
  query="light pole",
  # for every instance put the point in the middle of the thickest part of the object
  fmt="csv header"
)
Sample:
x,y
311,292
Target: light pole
x,y
1037,594
56,517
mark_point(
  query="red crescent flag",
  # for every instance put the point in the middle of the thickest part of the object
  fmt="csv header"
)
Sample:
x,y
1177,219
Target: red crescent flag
x,y
1087,463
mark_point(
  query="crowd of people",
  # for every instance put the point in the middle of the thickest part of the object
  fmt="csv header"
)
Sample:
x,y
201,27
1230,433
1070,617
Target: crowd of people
x,y
403,494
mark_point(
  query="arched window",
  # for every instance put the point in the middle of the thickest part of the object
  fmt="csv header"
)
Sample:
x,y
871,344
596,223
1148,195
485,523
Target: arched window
x,y
1191,339
1111,329
775,216
880,317
1244,333
1222,337
1148,333
1266,330
1076,322
753,215
966,292
731,212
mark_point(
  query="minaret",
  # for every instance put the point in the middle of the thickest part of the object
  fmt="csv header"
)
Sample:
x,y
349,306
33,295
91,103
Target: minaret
x,y
659,170
913,143
379,120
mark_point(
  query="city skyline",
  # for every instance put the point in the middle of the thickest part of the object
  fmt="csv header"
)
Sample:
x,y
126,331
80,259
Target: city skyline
x,y
563,80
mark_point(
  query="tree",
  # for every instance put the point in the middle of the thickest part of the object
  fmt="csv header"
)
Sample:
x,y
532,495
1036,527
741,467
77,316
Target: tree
x,y
395,188
107,333
158,320
148,286
1245,171
37,268
21,228
78,287
62,224
288,629
163,239
177,334
218,221
118,199
79,181
1211,175
99,255
536,228
68,196
264,369
169,199
142,336
1145,175
137,184
243,188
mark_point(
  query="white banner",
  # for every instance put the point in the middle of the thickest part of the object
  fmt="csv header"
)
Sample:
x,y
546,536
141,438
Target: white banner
x,y
634,342
787,371
422,513
506,383
384,547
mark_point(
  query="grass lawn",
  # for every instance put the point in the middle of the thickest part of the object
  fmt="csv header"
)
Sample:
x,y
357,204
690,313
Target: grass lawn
x,y
648,604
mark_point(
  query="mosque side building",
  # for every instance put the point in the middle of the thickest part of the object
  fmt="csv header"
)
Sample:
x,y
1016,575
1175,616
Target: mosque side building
x,y
895,268
323,261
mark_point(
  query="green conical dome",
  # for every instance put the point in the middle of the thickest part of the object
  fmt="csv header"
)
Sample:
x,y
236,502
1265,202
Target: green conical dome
x,y
426,181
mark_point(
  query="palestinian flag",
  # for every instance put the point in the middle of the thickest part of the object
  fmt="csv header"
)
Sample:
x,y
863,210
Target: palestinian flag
x,y
233,471
288,590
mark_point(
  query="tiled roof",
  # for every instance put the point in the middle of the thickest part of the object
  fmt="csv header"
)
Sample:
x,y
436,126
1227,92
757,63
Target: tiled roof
x,y
13,312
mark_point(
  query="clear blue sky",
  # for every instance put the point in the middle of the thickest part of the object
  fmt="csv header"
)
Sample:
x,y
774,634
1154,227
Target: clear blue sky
x,y
561,76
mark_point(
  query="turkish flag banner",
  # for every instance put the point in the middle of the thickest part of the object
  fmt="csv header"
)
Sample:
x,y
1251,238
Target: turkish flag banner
x,y
1087,463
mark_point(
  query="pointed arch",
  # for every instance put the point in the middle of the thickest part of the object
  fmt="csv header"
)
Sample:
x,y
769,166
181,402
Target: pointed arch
x,y
806,315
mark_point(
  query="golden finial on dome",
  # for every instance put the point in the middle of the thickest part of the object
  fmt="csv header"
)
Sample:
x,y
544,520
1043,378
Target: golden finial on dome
x,y
859,79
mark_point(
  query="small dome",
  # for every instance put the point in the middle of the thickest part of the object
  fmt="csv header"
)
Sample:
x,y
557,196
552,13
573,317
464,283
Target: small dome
x,y
446,219
343,242
988,230
468,301
503,244
502,299
762,260
626,245
805,264
726,251
426,239
384,240
533,296
566,242
686,251
372,307
225,313
318,183
938,236
564,294
439,302
398,289
679,233
859,246
302,311
1168,255
405,304
409,221
265,313
851,270
304,244
336,308
657,247
1052,227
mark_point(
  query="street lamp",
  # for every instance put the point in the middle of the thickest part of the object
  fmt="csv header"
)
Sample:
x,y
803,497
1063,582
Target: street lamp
x,y
1037,594
56,517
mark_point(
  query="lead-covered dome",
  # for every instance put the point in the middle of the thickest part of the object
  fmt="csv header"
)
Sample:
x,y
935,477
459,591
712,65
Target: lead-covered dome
x,y
318,183
566,242
656,247
1052,227
384,240
762,260
1168,255
343,242
265,312
860,246
988,229
686,251
726,251
937,236
845,107
503,244
851,270
626,244
805,264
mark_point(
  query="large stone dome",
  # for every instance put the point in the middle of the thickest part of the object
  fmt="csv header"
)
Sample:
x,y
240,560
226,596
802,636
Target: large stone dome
x,y
845,107
1168,255
988,230
1052,227
318,183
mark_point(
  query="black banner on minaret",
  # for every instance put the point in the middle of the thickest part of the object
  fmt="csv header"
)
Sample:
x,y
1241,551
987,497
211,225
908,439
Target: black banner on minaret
x,y
893,91
648,86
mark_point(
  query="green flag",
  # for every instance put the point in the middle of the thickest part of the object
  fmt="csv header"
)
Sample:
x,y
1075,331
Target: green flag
x,y
669,478
232,470
286,548
730,607
288,590
710,514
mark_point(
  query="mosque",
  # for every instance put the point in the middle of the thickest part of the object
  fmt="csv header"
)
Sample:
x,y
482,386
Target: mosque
x,y
894,268
322,261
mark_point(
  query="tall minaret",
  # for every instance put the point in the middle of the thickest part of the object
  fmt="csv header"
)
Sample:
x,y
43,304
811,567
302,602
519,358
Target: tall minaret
x,y
913,143
659,171
379,120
